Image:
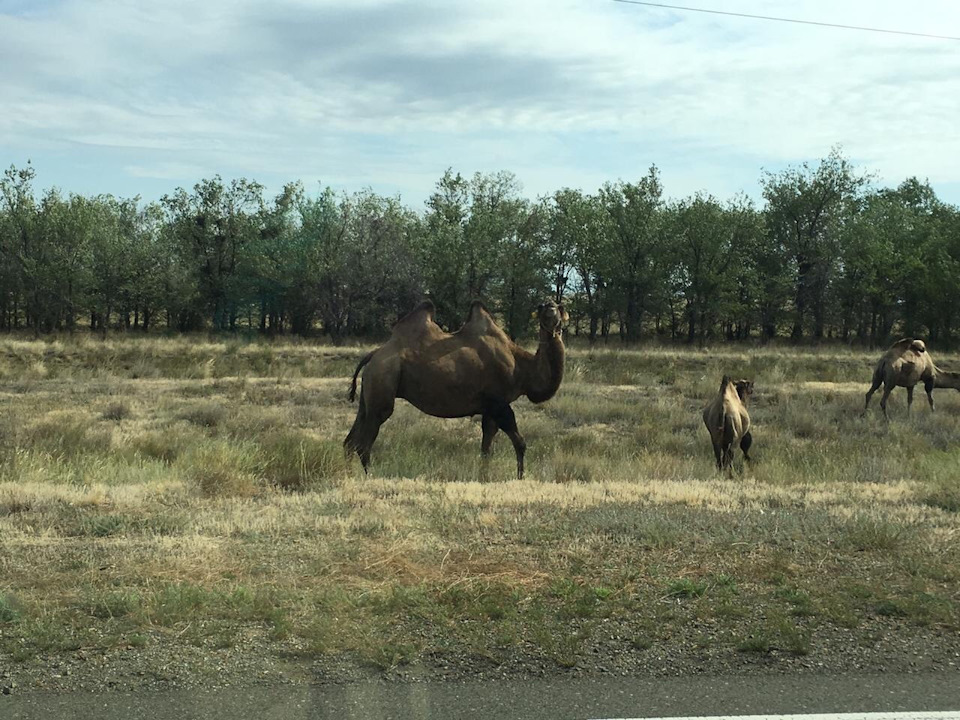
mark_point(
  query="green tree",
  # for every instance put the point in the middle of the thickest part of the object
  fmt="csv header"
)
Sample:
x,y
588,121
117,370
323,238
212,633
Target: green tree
x,y
633,221
807,209
215,226
524,268
467,230
709,244
19,247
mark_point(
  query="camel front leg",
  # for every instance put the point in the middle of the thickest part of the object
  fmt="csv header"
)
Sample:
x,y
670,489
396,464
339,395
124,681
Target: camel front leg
x,y
489,432
745,442
928,387
909,399
503,415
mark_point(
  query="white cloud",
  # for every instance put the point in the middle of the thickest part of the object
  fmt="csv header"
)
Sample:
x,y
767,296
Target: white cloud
x,y
572,90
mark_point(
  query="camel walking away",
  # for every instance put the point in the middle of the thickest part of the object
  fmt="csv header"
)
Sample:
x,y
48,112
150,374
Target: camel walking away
x,y
727,420
477,370
905,364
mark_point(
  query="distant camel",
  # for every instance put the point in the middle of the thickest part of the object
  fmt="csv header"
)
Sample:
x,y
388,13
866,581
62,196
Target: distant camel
x,y
477,370
905,364
727,420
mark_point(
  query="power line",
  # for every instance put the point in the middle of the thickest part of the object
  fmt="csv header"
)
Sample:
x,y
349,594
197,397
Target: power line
x,y
789,20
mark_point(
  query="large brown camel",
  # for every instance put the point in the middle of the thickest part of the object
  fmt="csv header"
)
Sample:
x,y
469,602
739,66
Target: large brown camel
x,y
727,420
905,364
477,370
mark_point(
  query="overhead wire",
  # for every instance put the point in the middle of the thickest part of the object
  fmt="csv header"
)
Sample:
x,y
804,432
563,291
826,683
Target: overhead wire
x,y
788,20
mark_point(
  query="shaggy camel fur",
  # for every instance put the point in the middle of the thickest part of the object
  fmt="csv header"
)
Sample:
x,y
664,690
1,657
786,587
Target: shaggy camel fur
x,y
905,364
728,421
477,370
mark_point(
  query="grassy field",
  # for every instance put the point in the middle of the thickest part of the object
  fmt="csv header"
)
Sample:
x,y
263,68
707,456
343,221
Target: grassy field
x,y
187,492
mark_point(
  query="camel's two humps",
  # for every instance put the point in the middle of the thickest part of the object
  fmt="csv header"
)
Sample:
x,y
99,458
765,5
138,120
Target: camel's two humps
x,y
477,370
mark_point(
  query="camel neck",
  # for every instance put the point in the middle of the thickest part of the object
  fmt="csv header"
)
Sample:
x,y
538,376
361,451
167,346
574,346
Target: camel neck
x,y
946,379
544,371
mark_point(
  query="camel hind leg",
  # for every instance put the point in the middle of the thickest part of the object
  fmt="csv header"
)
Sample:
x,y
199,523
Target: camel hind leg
x,y
928,388
728,459
727,436
366,427
887,389
875,385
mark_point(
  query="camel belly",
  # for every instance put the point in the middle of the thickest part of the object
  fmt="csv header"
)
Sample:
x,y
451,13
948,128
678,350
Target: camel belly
x,y
442,400
450,395
908,374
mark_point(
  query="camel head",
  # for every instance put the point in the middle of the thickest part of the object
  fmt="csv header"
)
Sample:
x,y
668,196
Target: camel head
x,y
918,346
552,317
744,389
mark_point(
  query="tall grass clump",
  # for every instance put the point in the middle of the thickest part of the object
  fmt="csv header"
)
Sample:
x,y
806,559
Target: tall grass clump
x,y
870,532
296,461
116,411
943,494
222,469
208,415
8,609
165,445
66,434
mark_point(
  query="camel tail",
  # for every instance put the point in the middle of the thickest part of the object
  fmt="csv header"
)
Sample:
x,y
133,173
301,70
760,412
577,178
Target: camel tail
x,y
356,373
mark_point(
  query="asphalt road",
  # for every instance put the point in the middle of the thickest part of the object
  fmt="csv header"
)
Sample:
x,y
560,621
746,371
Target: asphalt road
x,y
529,700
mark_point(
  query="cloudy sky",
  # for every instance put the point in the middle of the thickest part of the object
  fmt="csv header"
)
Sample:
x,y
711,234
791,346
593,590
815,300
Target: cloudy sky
x,y
129,98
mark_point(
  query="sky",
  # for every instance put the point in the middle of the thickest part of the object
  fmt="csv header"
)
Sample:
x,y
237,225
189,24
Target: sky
x,y
139,98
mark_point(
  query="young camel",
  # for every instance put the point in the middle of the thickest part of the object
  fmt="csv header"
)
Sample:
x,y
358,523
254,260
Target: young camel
x,y
727,420
477,370
905,364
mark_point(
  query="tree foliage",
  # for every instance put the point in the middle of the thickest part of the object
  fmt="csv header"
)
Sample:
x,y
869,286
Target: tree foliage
x,y
825,255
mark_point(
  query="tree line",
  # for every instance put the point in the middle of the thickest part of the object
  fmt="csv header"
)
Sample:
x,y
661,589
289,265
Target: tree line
x,y
827,254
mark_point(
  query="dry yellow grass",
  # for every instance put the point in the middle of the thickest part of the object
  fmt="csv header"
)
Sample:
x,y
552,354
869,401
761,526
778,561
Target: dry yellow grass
x,y
202,477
